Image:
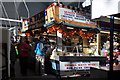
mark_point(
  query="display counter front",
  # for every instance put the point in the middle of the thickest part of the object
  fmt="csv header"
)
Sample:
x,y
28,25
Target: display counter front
x,y
76,65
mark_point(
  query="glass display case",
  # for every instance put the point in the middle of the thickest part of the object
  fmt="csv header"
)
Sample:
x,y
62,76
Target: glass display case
x,y
69,60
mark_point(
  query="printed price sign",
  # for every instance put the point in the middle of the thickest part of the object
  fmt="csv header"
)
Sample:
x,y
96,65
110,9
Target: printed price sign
x,y
78,65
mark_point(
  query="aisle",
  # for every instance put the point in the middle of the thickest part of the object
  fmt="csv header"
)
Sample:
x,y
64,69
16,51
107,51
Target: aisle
x,y
17,70
35,76
31,74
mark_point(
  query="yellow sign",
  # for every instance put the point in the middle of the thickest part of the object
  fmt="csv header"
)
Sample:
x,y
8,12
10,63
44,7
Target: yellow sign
x,y
25,26
49,14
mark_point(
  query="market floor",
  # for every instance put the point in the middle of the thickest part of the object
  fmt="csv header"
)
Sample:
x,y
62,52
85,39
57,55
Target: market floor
x,y
35,76
31,74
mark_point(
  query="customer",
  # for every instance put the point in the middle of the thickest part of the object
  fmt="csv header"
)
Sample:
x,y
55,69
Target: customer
x,y
23,56
49,48
26,40
40,53
13,57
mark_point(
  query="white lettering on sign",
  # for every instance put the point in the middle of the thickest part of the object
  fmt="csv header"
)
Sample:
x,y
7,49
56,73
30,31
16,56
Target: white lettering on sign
x,y
72,15
78,65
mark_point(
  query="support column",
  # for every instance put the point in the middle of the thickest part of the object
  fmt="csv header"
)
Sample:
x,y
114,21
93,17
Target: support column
x,y
1,16
111,45
98,44
85,44
0,43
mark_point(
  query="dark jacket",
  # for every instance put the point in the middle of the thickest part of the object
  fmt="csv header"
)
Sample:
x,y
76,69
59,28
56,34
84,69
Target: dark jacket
x,y
23,49
13,54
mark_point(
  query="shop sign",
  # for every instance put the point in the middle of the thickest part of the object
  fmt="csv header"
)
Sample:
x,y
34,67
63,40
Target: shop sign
x,y
25,26
35,21
67,66
72,15
106,26
49,14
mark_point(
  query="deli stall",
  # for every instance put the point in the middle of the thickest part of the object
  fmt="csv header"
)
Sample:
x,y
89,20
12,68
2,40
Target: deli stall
x,y
77,40
76,37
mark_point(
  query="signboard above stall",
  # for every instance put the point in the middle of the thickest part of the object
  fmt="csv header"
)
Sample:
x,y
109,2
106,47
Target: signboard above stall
x,y
35,21
71,15
68,14
59,13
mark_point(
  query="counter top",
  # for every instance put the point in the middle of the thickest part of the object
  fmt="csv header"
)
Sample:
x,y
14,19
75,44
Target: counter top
x,y
81,58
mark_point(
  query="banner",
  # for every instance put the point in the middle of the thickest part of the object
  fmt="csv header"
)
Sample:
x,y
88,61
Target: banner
x,y
25,26
72,15
35,21
49,14
67,66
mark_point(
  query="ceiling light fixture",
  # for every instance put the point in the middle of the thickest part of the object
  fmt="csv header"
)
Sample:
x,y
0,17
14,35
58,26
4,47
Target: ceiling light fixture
x,y
70,28
84,29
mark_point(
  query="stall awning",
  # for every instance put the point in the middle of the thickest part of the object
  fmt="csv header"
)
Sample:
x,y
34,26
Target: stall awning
x,y
57,14
70,25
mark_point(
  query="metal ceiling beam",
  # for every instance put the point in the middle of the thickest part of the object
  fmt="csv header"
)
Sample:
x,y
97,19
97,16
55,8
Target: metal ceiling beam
x,y
16,9
5,11
13,20
27,8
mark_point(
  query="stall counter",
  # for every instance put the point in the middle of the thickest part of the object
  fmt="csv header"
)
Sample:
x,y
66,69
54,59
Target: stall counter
x,y
73,65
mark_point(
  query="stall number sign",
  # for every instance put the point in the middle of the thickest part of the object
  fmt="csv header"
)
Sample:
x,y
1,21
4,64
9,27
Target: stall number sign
x,y
67,66
71,15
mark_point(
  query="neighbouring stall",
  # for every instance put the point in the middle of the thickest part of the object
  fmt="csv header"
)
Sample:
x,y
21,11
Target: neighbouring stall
x,y
105,43
104,71
75,35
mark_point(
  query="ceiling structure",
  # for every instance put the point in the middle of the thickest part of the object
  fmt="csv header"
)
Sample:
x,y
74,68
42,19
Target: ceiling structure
x,y
17,10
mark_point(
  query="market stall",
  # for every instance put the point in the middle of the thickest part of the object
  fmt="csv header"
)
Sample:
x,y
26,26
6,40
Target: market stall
x,y
105,42
74,54
104,71
75,35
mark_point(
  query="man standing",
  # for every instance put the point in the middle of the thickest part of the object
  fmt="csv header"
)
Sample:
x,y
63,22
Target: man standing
x,y
40,53
23,56
13,57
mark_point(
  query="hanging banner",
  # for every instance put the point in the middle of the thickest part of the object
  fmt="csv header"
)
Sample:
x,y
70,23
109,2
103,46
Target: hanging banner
x,y
72,15
35,21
